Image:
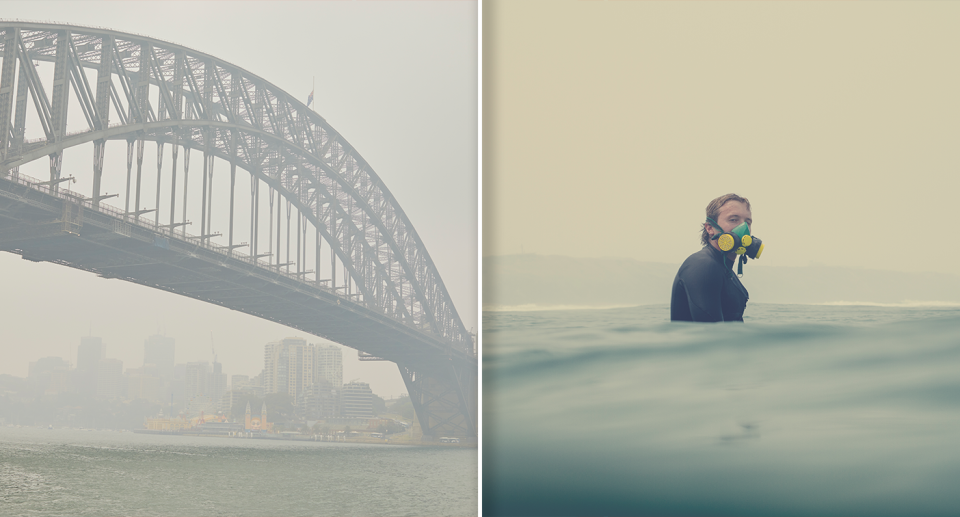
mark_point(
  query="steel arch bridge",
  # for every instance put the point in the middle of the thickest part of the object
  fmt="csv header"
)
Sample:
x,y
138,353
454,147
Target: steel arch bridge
x,y
389,302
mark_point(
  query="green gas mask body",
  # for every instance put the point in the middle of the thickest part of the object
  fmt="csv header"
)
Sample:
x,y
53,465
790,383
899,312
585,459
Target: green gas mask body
x,y
739,241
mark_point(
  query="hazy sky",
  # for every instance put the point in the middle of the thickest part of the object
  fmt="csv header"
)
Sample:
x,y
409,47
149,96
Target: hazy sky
x,y
609,126
397,79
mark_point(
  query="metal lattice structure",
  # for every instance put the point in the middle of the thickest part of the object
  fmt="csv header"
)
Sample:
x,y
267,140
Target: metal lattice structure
x,y
136,89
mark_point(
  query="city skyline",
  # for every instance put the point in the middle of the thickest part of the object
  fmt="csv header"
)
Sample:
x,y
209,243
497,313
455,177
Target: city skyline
x,y
198,327
332,376
303,380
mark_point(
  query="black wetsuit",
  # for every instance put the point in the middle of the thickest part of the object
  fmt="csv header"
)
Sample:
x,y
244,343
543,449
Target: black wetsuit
x,y
707,290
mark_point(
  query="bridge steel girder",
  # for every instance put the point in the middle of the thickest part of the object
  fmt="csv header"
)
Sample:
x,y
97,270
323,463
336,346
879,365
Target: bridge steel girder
x,y
358,187
70,232
227,112
160,131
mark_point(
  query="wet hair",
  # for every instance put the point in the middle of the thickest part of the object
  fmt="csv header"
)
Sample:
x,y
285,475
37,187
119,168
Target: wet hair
x,y
713,211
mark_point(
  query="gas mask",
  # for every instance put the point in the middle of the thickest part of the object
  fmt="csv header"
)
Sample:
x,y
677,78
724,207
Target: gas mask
x,y
739,241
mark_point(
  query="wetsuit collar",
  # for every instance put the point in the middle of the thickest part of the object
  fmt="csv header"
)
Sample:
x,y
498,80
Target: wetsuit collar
x,y
719,256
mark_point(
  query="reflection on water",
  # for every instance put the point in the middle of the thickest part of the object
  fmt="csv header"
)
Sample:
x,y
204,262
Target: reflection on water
x,y
803,410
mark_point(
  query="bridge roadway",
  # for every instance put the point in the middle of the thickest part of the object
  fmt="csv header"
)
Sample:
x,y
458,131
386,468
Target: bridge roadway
x,y
44,224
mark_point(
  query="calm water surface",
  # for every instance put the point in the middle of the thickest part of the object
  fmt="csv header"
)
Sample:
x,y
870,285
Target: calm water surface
x,y
803,410
71,472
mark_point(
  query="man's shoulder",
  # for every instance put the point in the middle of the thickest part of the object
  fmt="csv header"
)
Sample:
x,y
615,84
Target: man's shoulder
x,y
701,258
701,264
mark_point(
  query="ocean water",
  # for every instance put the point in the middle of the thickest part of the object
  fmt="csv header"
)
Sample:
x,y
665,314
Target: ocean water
x,y
803,410
99,473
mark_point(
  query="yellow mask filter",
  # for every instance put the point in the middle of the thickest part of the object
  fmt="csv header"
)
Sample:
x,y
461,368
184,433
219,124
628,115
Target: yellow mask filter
x,y
726,242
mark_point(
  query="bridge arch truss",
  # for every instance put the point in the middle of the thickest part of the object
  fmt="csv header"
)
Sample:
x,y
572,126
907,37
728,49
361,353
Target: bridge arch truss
x,y
135,89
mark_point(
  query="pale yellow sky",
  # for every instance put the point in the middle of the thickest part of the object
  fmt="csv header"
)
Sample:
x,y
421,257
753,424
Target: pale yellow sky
x,y
609,125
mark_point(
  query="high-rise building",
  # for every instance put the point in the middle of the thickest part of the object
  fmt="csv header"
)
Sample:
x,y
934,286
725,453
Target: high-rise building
x,y
196,386
178,389
329,367
159,350
216,382
321,400
109,378
89,354
46,365
195,376
50,374
288,367
253,386
239,381
60,382
144,383
227,400
356,400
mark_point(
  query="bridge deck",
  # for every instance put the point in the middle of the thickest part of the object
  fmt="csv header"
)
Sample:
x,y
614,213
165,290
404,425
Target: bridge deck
x,y
43,225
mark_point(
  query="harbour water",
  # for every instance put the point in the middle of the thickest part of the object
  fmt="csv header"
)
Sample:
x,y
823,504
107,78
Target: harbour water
x,y
47,472
802,410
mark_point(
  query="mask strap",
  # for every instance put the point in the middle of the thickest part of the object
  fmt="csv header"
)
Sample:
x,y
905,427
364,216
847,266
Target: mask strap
x,y
743,260
716,227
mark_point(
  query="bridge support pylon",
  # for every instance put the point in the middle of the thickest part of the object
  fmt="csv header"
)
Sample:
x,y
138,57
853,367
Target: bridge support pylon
x,y
444,397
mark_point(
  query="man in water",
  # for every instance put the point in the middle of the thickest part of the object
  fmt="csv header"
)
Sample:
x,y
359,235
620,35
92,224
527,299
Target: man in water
x,y
706,289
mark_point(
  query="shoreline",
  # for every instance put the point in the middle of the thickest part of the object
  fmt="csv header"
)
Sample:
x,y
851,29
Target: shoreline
x,y
301,438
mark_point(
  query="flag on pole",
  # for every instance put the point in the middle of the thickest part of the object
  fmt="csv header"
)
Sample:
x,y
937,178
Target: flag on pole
x,y
309,99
